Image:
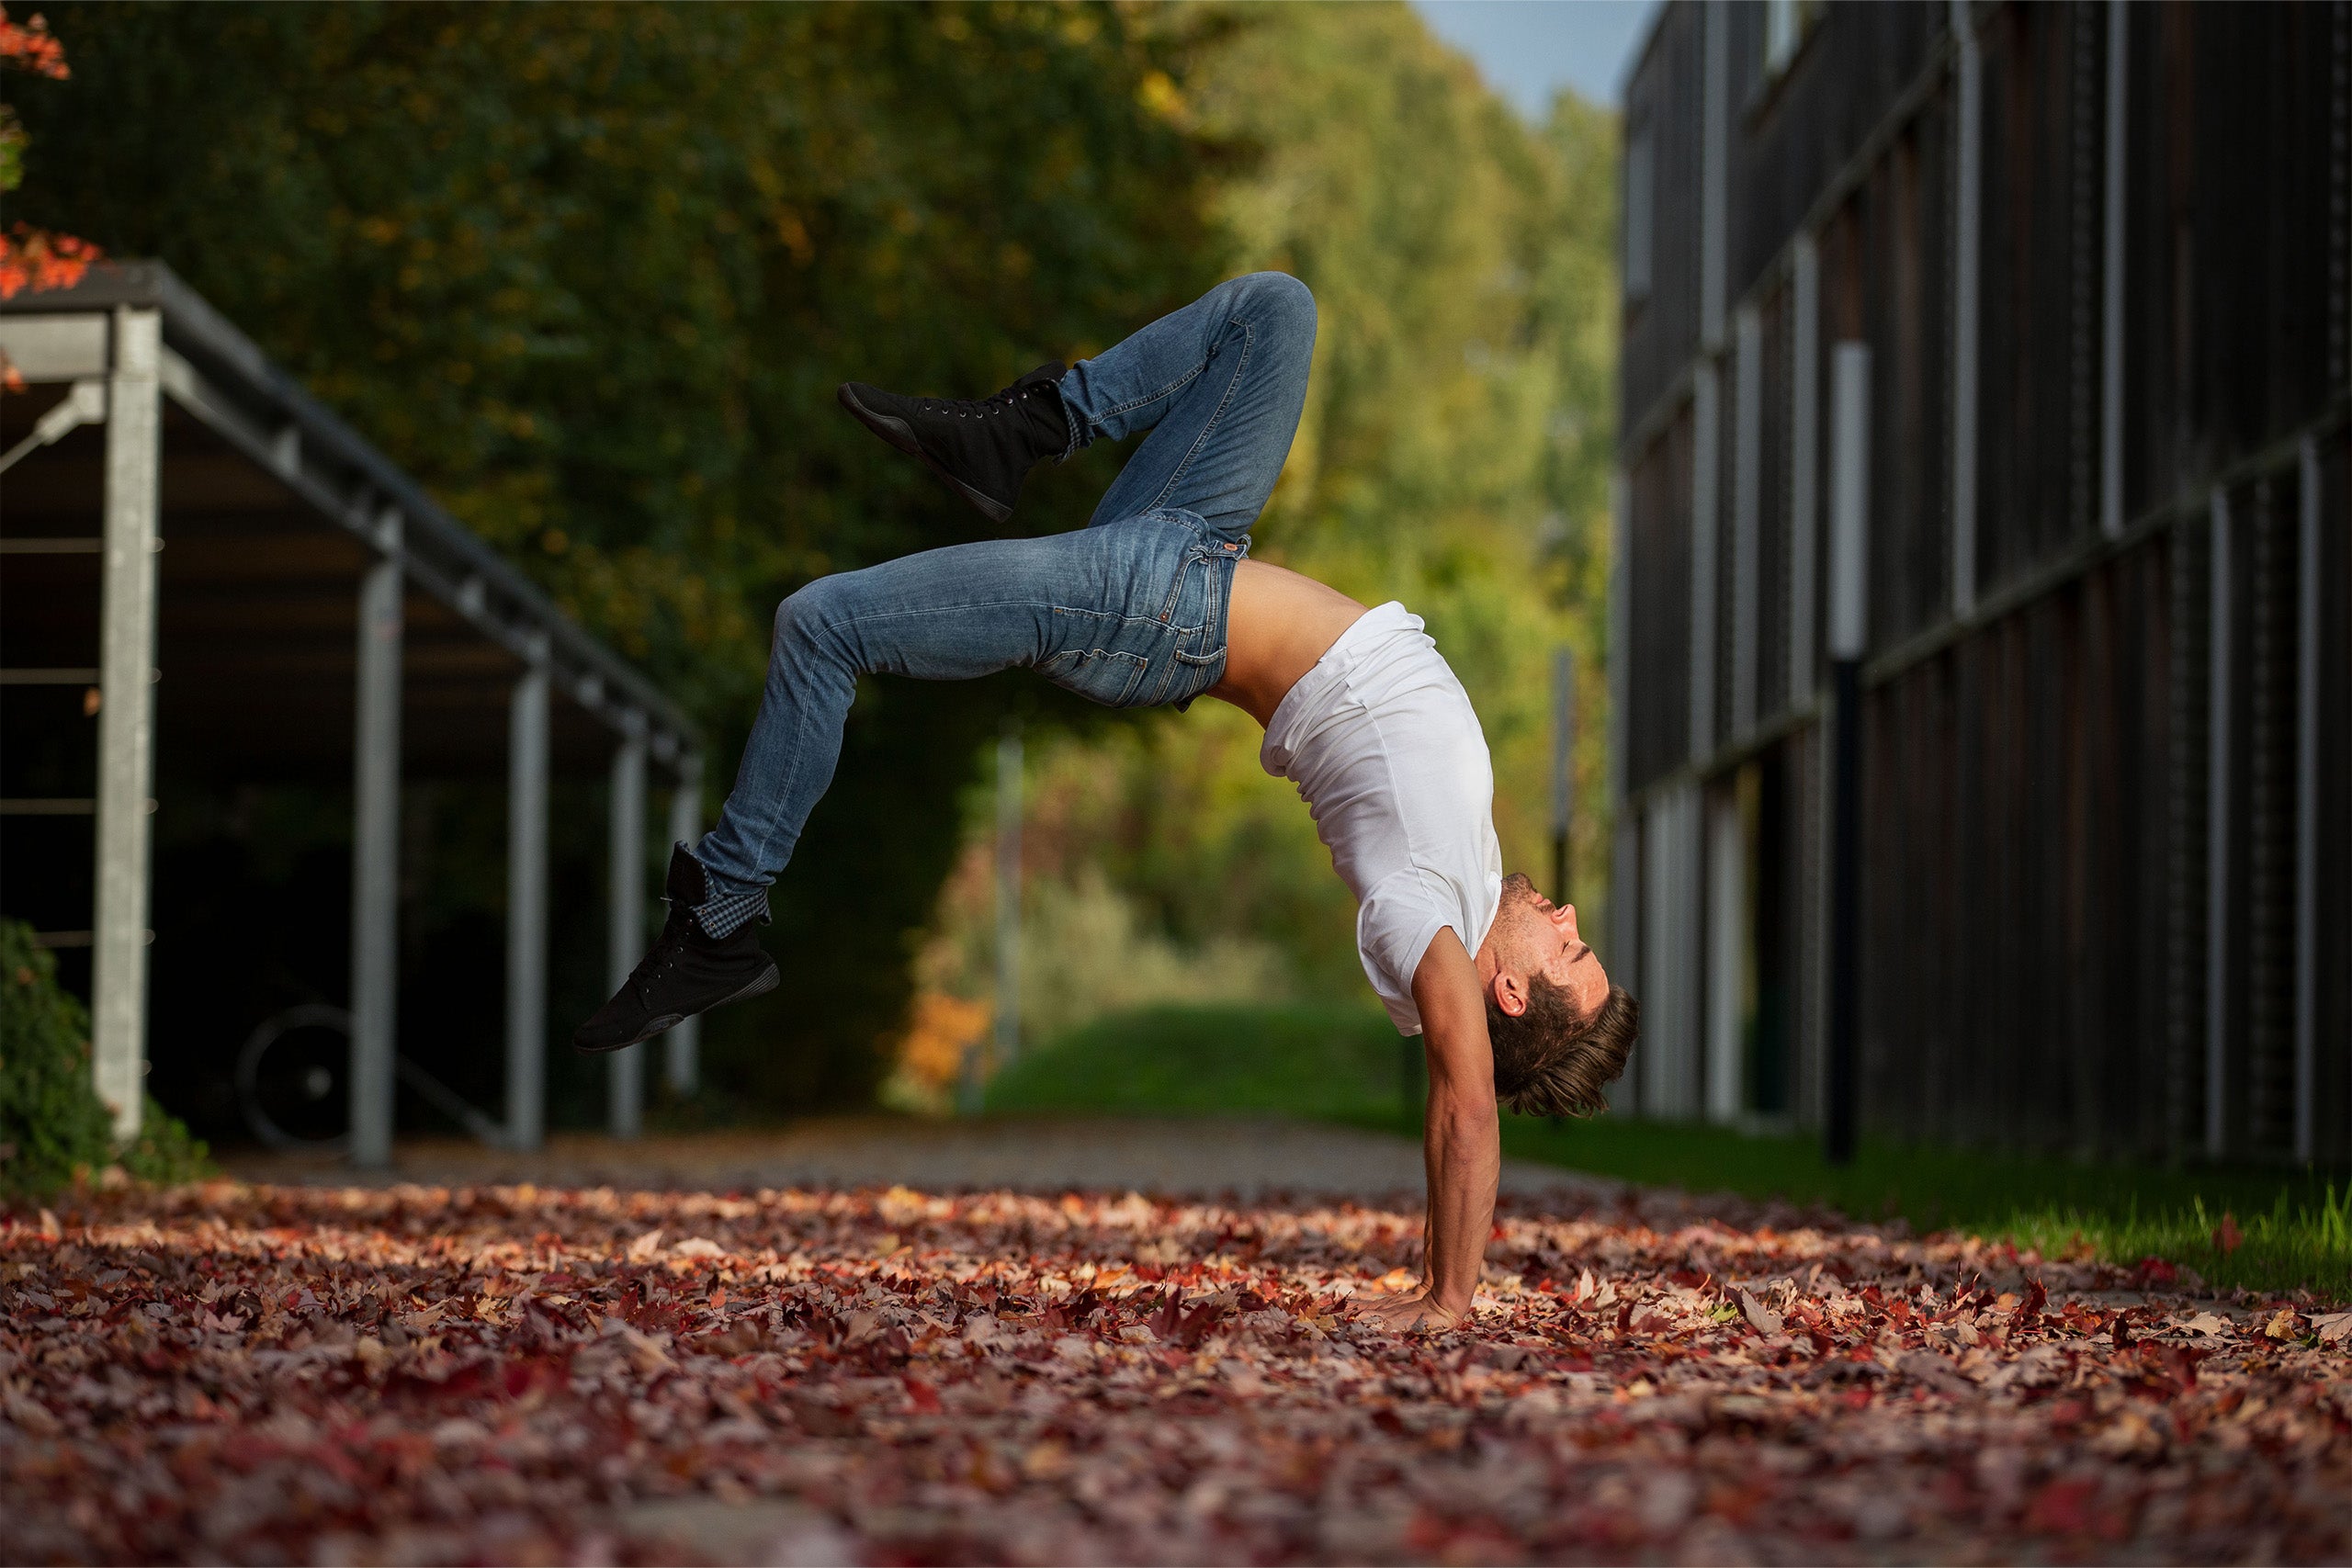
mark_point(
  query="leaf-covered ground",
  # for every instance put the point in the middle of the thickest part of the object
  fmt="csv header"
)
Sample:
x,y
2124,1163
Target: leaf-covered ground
x,y
510,1373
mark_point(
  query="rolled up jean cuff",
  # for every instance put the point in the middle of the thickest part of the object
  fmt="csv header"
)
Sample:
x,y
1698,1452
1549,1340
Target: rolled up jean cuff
x,y
722,917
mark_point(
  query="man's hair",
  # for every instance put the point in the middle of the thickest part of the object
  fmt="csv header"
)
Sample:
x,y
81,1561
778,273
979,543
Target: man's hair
x,y
1549,1062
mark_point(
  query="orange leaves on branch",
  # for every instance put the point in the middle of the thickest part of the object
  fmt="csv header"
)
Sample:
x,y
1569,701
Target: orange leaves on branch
x,y
37,259
30,46
32,258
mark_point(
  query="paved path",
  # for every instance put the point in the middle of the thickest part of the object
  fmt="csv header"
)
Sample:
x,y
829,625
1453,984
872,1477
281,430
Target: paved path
x,y
1246,1156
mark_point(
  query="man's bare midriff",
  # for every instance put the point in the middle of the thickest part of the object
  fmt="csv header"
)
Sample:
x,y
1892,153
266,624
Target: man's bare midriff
x,y
1278,625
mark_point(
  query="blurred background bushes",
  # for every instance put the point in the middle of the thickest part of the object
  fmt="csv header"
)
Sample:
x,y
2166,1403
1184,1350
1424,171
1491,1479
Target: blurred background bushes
x,y
592,272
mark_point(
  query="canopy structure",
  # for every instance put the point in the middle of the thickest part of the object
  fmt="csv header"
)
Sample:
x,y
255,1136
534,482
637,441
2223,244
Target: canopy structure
x,y
195,554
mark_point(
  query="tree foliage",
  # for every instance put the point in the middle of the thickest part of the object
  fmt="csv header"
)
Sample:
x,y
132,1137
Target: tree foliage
x,y
29,258
592,272
1454,456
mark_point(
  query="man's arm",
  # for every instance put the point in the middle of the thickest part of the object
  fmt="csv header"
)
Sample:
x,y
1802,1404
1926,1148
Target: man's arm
x,y
1461,1137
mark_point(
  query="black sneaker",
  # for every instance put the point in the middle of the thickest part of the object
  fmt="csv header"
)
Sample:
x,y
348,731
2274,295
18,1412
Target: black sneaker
x,y
982,449
685,974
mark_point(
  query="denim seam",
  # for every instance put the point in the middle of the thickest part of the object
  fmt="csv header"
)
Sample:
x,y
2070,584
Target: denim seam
x,y
1186,379
1125,620
784,791
1249,343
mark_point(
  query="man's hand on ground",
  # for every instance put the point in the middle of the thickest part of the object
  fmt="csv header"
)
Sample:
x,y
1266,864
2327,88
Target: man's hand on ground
x,y
1404,1313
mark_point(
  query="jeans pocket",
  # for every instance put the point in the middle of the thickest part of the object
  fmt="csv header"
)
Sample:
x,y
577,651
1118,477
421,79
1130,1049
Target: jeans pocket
x,y
1105,675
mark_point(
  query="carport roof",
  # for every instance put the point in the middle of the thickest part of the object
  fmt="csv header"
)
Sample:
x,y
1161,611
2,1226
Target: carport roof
x,y
253,589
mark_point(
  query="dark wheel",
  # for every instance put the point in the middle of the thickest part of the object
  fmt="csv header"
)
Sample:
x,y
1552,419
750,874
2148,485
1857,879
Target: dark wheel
x,y
294,1079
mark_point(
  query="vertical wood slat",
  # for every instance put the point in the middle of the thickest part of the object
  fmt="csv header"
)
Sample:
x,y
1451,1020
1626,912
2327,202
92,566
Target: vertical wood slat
x,y
1968,142
2307,799
1804,455
1726,952
1747,507
2112,280
1715,179
1706,483
2217,835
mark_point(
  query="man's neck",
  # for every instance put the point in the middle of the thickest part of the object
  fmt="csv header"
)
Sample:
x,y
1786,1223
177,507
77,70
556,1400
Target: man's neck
x,y
1277,625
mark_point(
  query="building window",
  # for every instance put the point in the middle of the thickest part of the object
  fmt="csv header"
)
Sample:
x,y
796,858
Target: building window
x,y
1640,211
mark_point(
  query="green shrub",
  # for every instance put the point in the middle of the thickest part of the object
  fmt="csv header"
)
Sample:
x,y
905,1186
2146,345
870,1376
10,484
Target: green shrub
x,y
54,1128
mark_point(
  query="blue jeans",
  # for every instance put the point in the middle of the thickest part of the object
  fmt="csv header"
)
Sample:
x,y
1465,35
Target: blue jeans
x,y
1128,612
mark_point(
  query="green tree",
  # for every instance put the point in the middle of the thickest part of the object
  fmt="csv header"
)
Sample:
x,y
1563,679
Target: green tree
x,y
592,272
1454,454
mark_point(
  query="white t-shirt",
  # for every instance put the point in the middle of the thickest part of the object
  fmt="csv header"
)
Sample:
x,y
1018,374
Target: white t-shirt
x,y
1385,747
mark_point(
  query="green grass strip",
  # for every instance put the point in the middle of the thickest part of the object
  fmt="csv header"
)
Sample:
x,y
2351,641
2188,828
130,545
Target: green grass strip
x,y
2265,1229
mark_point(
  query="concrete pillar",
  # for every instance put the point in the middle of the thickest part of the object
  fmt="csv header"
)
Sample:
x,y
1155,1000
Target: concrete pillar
x,y
375,857
625,924
681,1046
527,909
127,718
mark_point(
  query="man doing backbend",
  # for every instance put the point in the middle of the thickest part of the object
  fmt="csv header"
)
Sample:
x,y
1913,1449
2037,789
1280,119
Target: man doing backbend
x,y
1157,601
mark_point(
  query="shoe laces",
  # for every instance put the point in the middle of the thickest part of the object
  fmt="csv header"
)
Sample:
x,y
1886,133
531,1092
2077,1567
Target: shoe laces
x,y
989,407
659,956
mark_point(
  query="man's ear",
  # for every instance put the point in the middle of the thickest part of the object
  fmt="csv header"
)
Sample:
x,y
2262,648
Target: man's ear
x,y
1510,992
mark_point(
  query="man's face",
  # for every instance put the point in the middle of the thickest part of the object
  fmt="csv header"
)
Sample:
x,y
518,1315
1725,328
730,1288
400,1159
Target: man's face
x,y
1534,936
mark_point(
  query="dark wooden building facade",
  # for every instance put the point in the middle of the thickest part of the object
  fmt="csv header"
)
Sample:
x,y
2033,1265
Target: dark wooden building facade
x,y
2098,254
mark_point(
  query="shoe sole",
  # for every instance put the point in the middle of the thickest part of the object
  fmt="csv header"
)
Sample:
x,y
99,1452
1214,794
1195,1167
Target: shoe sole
x,y
669,1020
897,434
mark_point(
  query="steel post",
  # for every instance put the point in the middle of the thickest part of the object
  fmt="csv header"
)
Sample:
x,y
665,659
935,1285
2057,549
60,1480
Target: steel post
x,y
527,909
682,1048
1008,896
127,718
625,924
1007,922
375,850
